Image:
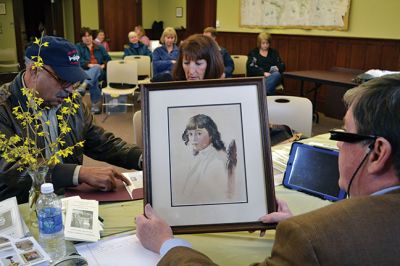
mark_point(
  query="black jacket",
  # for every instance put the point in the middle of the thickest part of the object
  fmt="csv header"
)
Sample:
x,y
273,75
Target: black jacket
x,y
99,145
257,64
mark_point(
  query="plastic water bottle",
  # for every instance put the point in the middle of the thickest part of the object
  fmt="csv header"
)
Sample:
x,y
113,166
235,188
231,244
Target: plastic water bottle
x,y
51,230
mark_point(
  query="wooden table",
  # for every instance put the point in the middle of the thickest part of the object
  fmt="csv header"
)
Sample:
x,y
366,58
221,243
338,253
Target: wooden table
x,y
339,77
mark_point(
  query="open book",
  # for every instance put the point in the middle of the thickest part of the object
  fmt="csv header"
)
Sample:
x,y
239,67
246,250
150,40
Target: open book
x,y
121,193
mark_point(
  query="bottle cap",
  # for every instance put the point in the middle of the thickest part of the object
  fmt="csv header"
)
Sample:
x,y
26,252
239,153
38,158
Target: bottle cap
x,y
47,188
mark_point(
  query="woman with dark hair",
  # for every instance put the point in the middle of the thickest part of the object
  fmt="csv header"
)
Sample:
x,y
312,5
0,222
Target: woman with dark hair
x,y
200,123
210,176
93,59
101,40
199,58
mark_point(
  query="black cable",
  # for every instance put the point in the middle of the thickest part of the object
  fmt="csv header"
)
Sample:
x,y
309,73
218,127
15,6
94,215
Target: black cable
x,y
358,168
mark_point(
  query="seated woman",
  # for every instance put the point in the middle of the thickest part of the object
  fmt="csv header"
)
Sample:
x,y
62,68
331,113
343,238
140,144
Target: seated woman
x,y
199,58
265,61
164,57
101,40
142,35
93,59
134,47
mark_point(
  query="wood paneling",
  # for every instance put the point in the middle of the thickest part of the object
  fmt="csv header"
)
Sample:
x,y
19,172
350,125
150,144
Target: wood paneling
x,y
199,15
76,6
117,18
319,52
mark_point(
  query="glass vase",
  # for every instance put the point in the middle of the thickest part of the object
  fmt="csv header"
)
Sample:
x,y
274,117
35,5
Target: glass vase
x,y
38,178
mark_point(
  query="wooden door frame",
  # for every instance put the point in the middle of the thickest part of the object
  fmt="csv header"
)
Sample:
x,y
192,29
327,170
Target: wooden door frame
x,y
101,10
18,13
209,10
76,10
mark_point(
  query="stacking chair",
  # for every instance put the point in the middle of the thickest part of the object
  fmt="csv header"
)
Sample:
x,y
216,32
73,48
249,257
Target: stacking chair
x,y
240,65
122,80
137,129
143,63
295,112
116,55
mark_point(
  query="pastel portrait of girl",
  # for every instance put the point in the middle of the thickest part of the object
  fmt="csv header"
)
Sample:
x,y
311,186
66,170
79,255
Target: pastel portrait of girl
x,y
209,168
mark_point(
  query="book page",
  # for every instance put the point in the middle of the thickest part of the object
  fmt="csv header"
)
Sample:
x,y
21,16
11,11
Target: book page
x,y
136,179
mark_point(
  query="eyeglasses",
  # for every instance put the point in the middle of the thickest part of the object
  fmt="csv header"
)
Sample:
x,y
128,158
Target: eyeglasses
x,y
64,84
340,135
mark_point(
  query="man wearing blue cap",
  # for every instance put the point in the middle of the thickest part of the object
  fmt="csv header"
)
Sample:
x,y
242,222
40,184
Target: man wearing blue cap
x,y
54,82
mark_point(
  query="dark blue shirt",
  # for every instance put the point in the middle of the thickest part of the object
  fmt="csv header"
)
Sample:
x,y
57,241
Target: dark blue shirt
x,y
162,60
136,49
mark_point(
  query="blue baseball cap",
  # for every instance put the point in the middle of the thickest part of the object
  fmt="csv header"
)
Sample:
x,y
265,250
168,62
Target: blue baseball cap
x,y
62,56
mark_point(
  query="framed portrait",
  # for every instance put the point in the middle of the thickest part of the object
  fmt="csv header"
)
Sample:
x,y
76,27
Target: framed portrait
x,y
207,155
179,12
3,9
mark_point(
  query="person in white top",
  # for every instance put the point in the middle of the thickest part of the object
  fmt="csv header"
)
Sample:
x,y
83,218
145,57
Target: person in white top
x,y
207,180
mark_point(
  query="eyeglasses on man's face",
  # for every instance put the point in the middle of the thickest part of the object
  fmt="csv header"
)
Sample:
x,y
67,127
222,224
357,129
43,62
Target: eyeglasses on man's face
x,y
344,136
64,84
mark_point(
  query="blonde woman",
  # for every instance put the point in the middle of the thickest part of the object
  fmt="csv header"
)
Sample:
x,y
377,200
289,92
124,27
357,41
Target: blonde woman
x,y
165,56
134,47
265,61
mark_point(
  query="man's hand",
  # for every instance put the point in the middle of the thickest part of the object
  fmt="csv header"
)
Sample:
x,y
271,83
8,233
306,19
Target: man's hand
x,y
102,178
283,213
151,230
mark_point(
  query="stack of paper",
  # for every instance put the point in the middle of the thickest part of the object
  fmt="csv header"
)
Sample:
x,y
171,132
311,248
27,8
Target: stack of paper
x,y
122,249
81,221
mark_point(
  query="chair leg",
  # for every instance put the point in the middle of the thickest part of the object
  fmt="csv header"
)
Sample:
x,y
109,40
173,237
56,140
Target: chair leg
x,y
105,118
104,109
